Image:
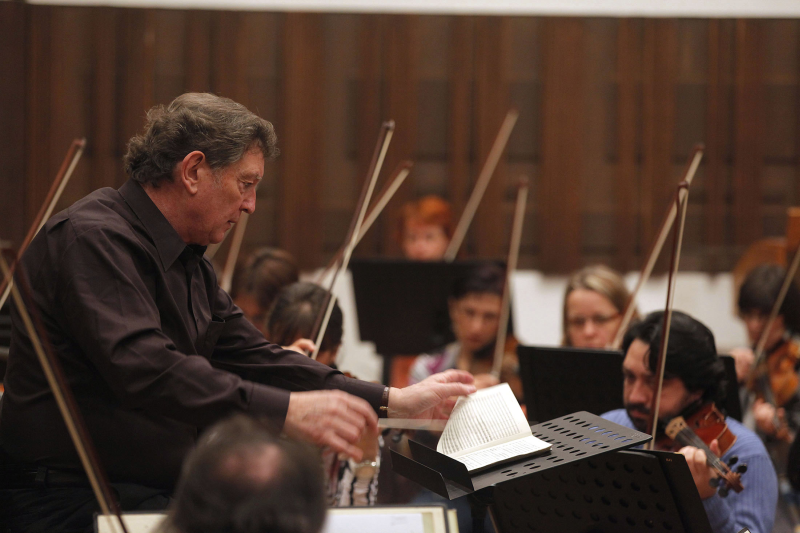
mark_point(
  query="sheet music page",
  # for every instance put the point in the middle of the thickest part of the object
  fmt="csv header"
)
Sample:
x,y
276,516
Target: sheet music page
x,y
385,522
503,452
486,418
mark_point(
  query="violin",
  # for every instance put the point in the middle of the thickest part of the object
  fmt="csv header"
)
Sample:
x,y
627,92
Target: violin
x,y
778,375
698,430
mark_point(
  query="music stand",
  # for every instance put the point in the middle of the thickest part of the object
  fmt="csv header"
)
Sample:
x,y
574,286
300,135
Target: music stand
x,y
584,484
557,381
732,403
402,305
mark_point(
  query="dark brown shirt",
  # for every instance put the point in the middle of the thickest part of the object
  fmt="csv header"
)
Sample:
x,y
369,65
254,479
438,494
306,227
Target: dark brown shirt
x,y
152,348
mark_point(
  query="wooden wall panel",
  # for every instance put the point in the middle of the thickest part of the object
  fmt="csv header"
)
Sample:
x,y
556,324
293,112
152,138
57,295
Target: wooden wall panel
x,y
629,63
301,221
492,220
658,117
748,157
13,38
105,169
197,51
400,86
460,169
609,108
562,144
369,114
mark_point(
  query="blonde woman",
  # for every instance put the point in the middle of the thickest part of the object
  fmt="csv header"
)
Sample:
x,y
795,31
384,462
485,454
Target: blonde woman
x,y
594,302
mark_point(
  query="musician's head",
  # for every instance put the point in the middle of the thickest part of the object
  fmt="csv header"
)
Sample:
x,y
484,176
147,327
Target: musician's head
x,y
594,302
201,158
294,314
425,228
257,283
475,304
758,295
243,478
693,375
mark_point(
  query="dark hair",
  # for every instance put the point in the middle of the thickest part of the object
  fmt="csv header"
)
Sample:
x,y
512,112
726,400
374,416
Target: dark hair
x,y
219,493
691,352
219,127
760,289
485,278
295,311
265,272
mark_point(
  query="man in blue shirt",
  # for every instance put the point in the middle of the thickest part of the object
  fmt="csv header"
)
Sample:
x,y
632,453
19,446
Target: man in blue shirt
x,y
693,378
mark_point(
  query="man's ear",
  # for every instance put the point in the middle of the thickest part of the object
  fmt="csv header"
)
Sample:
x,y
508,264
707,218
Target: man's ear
x,y
189,171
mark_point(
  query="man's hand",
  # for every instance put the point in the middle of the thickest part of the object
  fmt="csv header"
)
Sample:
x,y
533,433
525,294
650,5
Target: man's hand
x,y
330,418
433,397
303,346
765,414
744,359
701,472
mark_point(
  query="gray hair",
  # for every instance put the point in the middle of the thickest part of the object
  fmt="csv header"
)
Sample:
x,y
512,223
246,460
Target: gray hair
x,y
219,127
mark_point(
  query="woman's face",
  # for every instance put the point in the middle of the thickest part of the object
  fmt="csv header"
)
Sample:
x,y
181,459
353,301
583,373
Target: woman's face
x,y
475,319
424,242
592,320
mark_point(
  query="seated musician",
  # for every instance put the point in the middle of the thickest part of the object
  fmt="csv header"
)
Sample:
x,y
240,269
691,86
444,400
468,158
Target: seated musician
x,y
757,296
694,379
292,318
243,478
255,285
594,303
151,346
772,403
474,306
425,228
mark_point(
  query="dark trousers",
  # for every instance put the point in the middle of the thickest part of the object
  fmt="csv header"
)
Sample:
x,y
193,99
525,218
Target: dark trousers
x,y
68,509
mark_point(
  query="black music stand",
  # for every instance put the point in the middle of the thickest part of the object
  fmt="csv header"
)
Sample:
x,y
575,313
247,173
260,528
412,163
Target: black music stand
x,y
402,305
732,403
557,381
586,483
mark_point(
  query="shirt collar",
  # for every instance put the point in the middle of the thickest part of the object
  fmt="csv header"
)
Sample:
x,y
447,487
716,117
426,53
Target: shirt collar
x,y
168,243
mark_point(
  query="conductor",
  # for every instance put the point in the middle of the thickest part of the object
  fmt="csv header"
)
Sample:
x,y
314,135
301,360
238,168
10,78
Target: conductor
x,y
152,348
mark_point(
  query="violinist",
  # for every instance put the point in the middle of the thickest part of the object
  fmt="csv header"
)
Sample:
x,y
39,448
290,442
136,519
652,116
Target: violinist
x,y
474,306
772,399
256,284
425,228
693,381
152,348
594,302
757,296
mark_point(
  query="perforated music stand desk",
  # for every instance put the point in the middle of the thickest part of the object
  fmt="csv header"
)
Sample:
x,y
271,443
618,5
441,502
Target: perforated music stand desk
x,y
585,483
558,381
402,305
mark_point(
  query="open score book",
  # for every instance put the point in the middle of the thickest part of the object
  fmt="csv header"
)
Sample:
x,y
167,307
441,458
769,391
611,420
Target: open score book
x,y
487,428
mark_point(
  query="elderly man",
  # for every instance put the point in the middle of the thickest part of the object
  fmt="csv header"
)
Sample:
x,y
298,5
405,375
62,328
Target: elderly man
x,y
153,349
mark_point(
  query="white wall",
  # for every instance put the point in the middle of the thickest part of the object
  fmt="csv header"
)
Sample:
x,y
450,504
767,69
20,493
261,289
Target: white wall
x,y
613,8
537,301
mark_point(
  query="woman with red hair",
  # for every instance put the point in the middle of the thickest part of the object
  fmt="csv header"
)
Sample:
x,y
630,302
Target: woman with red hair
x,y
425,228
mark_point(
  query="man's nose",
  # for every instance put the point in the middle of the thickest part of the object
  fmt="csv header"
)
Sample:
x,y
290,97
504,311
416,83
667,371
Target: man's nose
x,y
639,393
249,204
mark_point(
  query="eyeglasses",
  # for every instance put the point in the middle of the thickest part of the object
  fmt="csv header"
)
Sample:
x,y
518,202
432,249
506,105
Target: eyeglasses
x,y
579,322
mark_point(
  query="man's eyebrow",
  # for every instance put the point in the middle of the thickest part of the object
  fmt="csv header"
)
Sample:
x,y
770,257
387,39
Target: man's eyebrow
x,y
251,175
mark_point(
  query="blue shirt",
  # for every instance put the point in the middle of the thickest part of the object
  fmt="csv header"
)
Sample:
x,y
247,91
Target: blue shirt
x,y
754,507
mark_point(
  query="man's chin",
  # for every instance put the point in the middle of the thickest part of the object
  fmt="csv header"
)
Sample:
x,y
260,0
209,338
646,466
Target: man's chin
x,y
639,423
